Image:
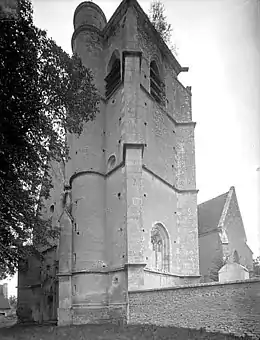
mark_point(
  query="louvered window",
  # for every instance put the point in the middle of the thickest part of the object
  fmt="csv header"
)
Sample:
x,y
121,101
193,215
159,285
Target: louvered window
x,y
156,85
113,79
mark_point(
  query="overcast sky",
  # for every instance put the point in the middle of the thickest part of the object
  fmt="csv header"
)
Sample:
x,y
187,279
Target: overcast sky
x,y
219,41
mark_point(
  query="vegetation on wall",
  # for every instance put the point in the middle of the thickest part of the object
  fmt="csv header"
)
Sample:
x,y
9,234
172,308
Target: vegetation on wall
x,y
158,19
13,301
217,264
256,266
44,93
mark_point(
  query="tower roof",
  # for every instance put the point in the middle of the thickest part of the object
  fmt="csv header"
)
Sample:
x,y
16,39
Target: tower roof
x,y
88,13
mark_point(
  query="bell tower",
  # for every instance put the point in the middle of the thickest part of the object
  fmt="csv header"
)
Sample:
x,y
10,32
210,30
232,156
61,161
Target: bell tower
x,y
131,173
129,216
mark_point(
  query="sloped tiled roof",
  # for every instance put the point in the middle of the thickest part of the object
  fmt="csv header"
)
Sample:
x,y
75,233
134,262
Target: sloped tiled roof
x,y
209,213
4,303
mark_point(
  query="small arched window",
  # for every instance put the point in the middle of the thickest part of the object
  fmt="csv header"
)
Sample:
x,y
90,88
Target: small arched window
x,y
113,78
156,85
161,251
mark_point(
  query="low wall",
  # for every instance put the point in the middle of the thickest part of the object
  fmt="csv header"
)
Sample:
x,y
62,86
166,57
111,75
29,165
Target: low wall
x,y
232,307
158,280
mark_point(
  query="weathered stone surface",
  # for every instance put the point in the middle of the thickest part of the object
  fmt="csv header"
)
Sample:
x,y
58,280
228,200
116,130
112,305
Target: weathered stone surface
x,y
113,207
231,307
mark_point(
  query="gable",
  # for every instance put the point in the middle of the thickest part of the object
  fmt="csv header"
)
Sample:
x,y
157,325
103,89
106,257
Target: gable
x,y
112,24
209,213
233,219
145,24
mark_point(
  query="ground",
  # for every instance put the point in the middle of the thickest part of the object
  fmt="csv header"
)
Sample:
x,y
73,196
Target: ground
x,y
105,332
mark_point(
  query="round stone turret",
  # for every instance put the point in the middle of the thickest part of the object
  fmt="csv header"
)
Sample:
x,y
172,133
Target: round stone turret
x,y
87,40
88,13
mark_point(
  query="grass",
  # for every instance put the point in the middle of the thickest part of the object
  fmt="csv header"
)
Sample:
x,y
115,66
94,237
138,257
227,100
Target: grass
x,y
108,332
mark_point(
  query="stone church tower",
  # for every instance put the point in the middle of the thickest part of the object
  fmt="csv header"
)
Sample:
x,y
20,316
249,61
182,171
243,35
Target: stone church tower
x,y
129,221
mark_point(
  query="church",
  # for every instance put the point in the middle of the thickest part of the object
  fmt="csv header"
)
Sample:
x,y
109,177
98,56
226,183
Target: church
x,y
126,201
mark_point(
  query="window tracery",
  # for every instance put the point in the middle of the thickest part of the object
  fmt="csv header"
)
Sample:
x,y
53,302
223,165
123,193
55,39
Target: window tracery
x,y
160,246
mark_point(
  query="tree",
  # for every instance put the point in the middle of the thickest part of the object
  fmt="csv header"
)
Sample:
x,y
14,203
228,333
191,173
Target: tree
x,y
13,301
159,20
44,93
256,266
216,265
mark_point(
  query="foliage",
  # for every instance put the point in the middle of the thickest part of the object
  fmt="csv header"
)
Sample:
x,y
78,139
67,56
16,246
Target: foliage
x,y
159,20
44,93
217,264
256,266
13,301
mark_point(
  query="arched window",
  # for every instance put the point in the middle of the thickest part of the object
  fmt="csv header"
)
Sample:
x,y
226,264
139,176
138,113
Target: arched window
x,y
156,85
113,78
161,251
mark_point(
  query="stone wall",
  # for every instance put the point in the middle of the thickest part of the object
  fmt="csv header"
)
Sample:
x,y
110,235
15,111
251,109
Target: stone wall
x,y
159,204
38,289
232,307
159,135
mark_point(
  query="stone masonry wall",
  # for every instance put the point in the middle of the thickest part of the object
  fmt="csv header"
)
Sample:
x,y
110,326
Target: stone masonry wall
x,y
187,229
160,140
159,204
37,289
231,307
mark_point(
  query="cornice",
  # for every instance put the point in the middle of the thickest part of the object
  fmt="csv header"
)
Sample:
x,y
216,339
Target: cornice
x,y
122,164
174,188
97,173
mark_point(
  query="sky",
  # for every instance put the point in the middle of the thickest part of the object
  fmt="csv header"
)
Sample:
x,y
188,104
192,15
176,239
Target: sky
x,y
219,41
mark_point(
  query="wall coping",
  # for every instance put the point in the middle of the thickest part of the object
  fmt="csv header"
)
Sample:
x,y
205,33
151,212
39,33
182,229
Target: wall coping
x,y
198,285
181,276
